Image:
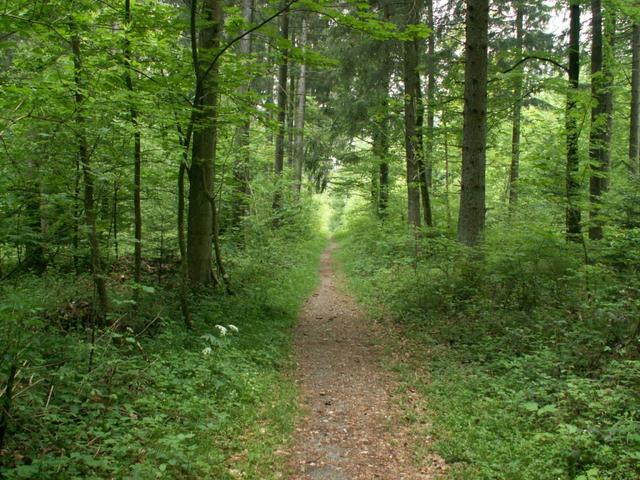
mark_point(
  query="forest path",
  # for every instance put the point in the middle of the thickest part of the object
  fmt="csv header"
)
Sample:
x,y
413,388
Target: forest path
x,y
350,429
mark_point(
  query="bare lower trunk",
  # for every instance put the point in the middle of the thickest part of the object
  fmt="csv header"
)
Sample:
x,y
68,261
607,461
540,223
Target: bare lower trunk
x,y
601,117
634,124
423,171
137,158
204,126
184,270
447,192
514,173
301,98
282,111
84,159
573,215
380,135
431,94
241,168
471,219
410,113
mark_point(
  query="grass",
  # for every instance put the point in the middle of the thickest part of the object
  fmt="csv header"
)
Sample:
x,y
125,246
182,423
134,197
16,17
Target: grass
x,y
519,379
167,403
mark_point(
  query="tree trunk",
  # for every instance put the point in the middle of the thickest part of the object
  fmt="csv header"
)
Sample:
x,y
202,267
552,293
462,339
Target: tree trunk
x,y
35,258
291,111
137,155
84,159
634,124
447,193
573,215
282,110
423,172
431,94
114,219
601,117
184,270
242,170
204,125
380,135
301,97
514,173
410,113
471,219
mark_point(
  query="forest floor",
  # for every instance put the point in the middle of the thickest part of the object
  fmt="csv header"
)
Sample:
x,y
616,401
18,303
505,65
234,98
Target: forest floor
x,y
352,426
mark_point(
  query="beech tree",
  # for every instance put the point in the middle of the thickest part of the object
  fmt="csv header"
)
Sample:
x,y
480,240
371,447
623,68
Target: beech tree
x,y
202,208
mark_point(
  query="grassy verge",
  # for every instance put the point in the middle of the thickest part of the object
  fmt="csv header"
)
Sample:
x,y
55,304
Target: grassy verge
x,y
524,375
157,401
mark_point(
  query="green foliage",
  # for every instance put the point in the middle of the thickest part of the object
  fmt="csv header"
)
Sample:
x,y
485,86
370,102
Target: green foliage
x,y
149,399
532,355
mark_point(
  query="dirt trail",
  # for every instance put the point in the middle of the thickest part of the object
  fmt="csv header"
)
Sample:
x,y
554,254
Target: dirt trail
x,y
350,429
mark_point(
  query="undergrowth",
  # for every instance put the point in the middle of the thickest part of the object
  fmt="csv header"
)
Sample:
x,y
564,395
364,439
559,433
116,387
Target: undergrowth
x,y
532,357
149,399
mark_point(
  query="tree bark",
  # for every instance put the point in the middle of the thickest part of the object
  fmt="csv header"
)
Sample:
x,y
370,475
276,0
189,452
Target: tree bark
x,y
601,117
431,94
471,219
301,98
35,258
137,155
84,159
573,214
204,124
423,171
282,110
410,114
242,169
447,192
380,134
514,173
634,124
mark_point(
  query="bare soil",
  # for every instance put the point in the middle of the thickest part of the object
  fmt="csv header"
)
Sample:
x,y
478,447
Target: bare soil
x,y
352,426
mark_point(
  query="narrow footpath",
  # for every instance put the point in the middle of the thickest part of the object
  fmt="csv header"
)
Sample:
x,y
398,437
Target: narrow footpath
x,y
351,428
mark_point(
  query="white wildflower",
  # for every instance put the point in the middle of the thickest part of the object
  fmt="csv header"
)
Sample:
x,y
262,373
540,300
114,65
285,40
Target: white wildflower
x,y
221,330
233,328
206,351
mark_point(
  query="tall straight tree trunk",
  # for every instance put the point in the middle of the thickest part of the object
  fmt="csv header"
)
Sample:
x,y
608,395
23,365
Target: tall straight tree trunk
x,y
242,170
380,134
634,123
184,270
431,94
204,126
601,117
410,116
137,154
301,99
471,218
573,215
35,258
514,173
447,192
423,172
291,111
282,110
84,159
76,216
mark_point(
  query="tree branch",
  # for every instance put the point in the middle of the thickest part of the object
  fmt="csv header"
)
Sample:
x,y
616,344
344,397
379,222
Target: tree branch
x,y
536,57
244,34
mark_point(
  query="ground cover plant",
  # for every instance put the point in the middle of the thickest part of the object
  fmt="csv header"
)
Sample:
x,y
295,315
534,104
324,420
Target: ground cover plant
x,y
150,399
530,357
